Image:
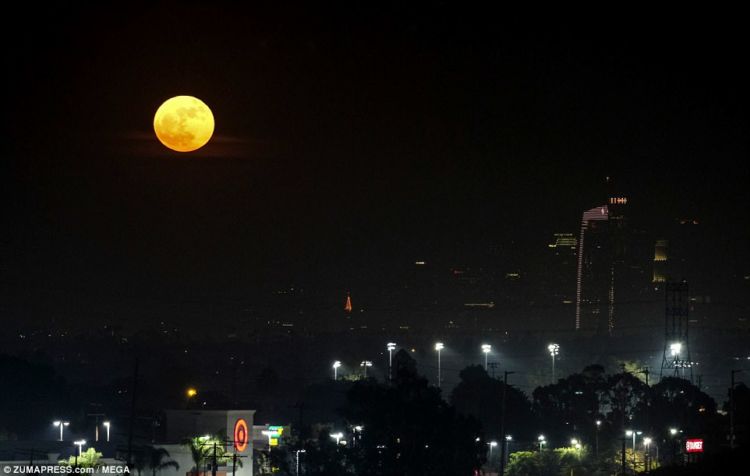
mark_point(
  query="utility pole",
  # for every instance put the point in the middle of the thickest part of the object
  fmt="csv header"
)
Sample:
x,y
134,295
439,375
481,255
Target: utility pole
x,y
213,463
731,410
132,414
503,441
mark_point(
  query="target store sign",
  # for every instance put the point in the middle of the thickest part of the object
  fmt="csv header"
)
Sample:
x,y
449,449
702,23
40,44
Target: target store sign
x,y
694,445
241,435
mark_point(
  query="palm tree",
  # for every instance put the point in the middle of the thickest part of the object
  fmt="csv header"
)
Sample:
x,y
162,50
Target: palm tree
x,y
158,459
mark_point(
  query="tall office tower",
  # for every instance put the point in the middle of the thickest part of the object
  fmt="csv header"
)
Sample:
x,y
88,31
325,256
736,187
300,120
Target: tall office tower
x,y
560,267
595,272
660,262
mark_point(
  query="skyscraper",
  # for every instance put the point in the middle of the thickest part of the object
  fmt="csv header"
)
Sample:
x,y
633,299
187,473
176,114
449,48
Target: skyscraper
x,y
595,273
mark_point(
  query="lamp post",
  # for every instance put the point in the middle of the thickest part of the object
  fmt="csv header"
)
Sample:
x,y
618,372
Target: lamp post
x,y
596,448
647,456
391,346
673,432
79,444
336,366
486,348
633,433
492,445
438,347
364,364
554,349
61,424
502,421
298,452
506,453
541,442
107,425
337,437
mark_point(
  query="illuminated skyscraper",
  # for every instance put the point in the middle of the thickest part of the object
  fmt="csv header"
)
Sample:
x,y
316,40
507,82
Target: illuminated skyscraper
x,y
595,273
660,261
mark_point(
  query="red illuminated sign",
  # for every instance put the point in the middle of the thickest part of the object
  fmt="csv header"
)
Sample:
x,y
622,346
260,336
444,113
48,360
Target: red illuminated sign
x,y
694,445
240,435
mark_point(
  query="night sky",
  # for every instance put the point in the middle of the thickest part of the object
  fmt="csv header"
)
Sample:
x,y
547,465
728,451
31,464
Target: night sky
x,y
351,140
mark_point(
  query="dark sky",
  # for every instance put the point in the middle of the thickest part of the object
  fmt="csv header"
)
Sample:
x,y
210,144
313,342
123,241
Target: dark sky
x,y
350,141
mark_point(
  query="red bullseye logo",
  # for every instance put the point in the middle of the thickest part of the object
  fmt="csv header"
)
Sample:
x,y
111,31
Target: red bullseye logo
x,y
240,435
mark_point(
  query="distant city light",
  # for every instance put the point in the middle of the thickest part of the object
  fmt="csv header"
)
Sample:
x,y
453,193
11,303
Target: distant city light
x,y
337,437
191,392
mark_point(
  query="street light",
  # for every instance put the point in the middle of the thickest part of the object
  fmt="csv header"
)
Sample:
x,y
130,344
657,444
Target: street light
x,y
554,349
506,453
61,424
438,347
633,434
647,456
541,441
337,437
598,426
298,452
575,443
486,348
673,432
79,444
492,444
336,366
107,425
391,346
364,365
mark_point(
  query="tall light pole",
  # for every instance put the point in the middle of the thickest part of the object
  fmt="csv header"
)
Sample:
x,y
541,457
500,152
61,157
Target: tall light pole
x,y
364,365
391,346
336,366
486,348
107,425
541,441
79,444
673,433
598,425
61,424
337,437
506,454
298,452
647,456
633,433
492,445
554,349
502,422
438,347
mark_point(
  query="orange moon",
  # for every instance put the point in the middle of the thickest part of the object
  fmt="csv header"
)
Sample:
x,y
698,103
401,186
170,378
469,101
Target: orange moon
x,y
184,123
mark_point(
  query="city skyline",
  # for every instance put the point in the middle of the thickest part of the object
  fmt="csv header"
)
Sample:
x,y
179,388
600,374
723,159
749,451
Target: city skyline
x,y
347,148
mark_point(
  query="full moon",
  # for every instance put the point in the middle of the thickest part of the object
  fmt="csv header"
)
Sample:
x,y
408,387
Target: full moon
x,y
184,123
